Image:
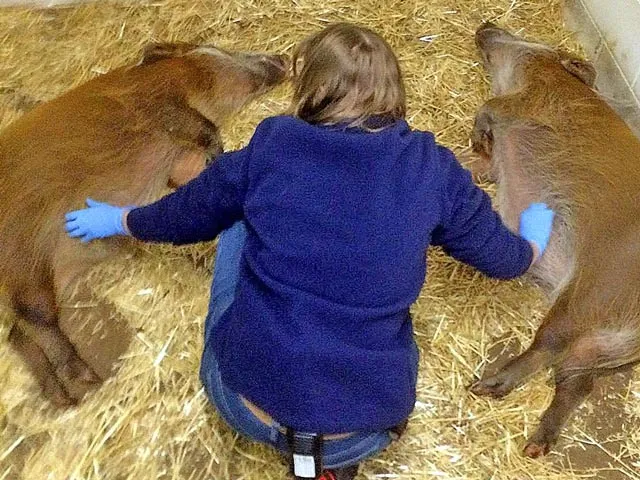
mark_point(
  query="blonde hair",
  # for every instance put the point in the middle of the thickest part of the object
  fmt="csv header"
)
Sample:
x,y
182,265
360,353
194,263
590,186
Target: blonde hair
x,y
346,73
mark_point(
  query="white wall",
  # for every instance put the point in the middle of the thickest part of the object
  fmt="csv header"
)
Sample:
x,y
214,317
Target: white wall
x,y
610,33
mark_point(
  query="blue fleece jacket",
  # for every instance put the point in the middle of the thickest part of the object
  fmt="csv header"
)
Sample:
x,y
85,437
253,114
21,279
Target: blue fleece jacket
x,y
339,220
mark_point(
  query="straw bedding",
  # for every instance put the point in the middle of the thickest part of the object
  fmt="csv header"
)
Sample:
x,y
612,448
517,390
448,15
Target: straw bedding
x,y
152,419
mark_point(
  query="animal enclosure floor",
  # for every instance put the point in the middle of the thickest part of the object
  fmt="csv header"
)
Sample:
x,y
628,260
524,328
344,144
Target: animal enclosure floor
x,y
152,421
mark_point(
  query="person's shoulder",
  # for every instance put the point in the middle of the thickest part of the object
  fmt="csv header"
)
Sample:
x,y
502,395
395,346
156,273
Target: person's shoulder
x,y
275,123
279,129
423,135
442,163
434,155
423,138
440,156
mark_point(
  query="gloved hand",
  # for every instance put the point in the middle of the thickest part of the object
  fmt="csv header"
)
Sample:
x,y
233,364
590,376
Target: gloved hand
x,y
100,220
535,225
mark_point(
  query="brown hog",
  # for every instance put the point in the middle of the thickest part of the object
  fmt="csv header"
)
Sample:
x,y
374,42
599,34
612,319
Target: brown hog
x,y
549,137
122,138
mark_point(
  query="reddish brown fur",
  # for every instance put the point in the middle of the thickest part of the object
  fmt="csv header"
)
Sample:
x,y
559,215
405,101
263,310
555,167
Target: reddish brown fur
x,y
551,138
122,138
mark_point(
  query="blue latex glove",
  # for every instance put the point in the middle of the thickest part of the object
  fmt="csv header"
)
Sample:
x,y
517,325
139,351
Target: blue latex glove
x,y
100,220
535,225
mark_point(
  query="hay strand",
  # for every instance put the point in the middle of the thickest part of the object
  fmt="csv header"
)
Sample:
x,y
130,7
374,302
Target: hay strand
x,y
152,420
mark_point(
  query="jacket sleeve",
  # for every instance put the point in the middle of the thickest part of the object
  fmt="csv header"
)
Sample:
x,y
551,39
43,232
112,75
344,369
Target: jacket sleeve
x,y
471,231
199,210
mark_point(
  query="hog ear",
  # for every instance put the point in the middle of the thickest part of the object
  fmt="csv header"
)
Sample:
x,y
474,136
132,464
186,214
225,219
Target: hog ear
x,y
580,69
159,51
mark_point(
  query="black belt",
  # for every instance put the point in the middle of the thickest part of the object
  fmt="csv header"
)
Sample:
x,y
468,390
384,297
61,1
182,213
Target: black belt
x,y
305,454
306,450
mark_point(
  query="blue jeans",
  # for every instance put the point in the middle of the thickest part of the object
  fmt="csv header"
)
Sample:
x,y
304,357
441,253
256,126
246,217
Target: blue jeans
x,y
337,453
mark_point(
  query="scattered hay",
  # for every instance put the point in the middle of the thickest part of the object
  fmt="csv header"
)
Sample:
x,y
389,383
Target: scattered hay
x,y
152,420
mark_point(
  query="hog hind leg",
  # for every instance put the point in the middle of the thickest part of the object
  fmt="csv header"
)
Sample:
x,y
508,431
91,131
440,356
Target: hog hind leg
x,y
100,335
600,353
570,392
40,367
38,323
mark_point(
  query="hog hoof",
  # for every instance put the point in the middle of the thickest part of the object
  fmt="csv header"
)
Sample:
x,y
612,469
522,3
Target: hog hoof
x,y
496,386
57,395
76,369
536,449
78,379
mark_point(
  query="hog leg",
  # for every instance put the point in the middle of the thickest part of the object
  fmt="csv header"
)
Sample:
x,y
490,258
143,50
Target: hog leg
x,y
482,136
97,331
38,323
570,393
591,355
514,373
549,343
190,129
99,334
482,145
39,366
199,143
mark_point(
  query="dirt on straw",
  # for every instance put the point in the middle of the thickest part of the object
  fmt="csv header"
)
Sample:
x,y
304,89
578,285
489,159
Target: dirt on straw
x,y
152,419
